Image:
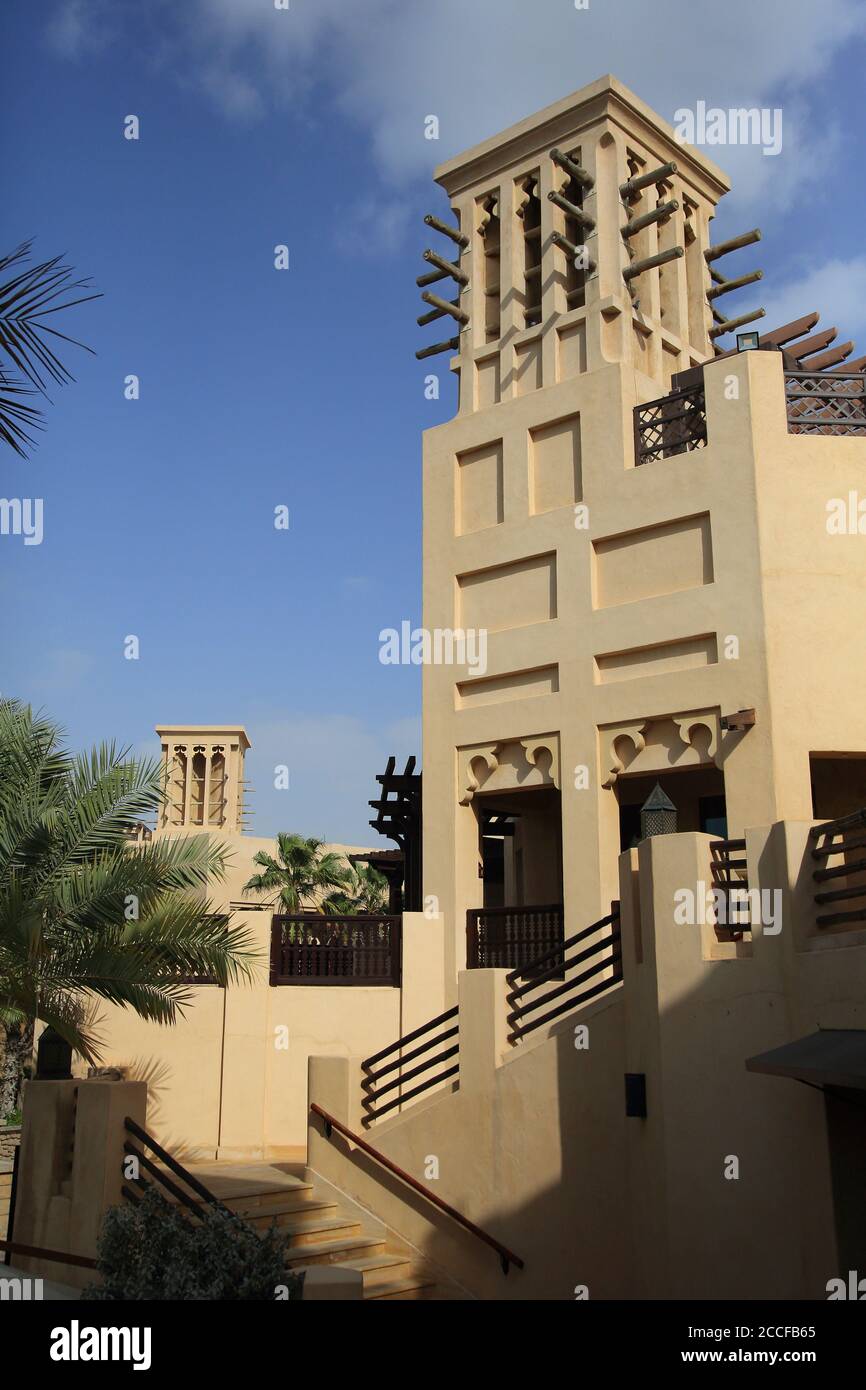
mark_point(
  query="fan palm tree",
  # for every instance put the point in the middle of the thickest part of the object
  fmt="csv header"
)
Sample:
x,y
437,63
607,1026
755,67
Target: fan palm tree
x,y
303,877
366,891
83,912
28,362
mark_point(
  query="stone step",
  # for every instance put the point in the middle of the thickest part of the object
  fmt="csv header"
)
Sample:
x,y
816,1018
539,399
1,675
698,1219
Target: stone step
x,y
335,1251
414,1286
316,1228
296,1198
310,1233
285,1210
380,1269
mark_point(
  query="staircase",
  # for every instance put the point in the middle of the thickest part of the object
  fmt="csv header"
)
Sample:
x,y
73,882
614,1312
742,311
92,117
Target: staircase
x,y
322,1227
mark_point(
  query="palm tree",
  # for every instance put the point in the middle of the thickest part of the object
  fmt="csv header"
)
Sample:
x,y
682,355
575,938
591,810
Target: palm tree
x,y
366,891
27,359
84,913
303,877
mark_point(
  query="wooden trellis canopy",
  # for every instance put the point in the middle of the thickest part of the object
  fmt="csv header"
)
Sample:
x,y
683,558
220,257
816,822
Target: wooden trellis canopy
x,y
805,351
398,818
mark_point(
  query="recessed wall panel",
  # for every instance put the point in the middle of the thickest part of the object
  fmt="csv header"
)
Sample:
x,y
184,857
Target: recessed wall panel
x,y
554,465
685,654
516,685
654,560
479,488
506,596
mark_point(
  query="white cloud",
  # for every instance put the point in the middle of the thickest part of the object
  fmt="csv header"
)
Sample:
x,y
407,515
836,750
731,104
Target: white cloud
x,y
78,28
836,288
373,226
483,65
480,66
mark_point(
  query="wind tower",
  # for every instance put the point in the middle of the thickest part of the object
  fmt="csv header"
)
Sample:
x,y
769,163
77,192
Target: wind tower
x,y
595,508
203,773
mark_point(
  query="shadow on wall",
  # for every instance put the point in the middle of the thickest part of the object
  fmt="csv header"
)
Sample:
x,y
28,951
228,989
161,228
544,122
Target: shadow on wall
x,y
725,1189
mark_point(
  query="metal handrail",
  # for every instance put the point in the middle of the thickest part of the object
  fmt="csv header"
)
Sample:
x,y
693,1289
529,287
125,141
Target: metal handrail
x,y
823,848
36,1252
409,1037
172,1163
506,1257
372,1085
534,975
835,827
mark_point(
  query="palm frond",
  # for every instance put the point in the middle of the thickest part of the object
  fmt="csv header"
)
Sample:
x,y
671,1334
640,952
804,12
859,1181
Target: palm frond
x,y
26,299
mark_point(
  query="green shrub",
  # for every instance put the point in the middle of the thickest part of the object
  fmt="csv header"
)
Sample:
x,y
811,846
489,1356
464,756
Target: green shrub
x,y
151,1251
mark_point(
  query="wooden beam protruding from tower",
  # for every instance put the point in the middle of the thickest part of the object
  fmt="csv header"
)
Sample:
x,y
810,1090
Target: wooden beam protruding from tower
x,y
573,210
446,267
433,314
659,214
580,255
574,170
446,306
713,253
633,186
431,278
723,286
728,325
459,237
442,270
630,272
451,345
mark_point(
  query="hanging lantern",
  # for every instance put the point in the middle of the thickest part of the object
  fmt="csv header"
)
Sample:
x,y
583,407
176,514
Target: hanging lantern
x,y
53,1057
658,815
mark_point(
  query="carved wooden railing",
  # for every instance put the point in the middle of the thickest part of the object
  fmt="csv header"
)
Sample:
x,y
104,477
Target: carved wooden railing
x,y
316,949
826,402
502,938
674,424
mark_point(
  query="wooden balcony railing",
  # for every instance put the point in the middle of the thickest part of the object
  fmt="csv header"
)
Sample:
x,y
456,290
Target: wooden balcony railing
x,y
315,949
845,837
674,424
501,938
528,991
380,1081
826,402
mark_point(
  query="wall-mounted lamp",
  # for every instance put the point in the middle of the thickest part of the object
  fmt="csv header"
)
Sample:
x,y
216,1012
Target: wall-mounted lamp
x,y
748,342
635,1095
743,719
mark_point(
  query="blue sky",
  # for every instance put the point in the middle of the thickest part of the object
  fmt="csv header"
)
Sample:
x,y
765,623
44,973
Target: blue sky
x,y
262,388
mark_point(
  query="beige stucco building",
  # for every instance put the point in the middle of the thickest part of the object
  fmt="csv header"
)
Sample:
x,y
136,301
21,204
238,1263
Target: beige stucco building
x,y
582,1052
629,605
